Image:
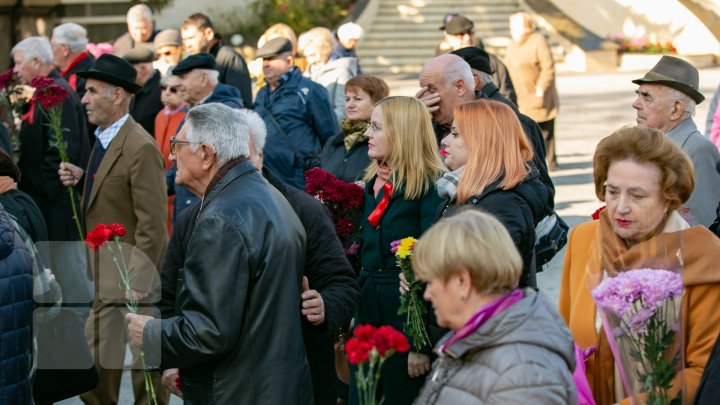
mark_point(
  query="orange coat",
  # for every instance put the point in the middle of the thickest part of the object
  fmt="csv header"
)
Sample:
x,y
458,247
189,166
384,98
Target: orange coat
x,y
166,126
700,317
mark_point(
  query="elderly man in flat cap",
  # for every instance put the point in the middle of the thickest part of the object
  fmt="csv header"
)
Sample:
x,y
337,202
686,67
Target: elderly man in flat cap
x,y
666,101
124,183
146,103
297,113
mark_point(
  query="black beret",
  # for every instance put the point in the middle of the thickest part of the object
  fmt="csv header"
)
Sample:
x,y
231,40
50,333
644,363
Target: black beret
x,y
477,58
198,61
274,47
139,55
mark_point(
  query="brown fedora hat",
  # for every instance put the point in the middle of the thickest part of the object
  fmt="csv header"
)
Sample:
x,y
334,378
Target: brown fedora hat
x,y
676,73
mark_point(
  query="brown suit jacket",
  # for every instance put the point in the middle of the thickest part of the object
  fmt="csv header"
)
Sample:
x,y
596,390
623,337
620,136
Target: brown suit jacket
x,y
129,189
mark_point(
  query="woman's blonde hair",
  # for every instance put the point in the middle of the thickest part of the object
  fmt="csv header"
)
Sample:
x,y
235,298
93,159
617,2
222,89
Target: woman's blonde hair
x,y
321,37
414,158
496,146
526,19
279,30
473,240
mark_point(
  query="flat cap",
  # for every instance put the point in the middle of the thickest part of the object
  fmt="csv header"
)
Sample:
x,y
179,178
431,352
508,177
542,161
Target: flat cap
x,y
197,61
458,25
139,55
477,58
167,37
274,47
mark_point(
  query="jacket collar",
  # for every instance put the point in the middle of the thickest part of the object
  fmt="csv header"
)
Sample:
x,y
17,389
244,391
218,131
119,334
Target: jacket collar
x,y
226,174
113,152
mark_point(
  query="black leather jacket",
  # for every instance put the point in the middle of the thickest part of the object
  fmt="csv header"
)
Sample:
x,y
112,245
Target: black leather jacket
x,y
238,339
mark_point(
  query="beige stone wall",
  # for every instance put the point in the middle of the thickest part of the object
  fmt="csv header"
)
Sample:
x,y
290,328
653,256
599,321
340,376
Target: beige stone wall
x,y
661,19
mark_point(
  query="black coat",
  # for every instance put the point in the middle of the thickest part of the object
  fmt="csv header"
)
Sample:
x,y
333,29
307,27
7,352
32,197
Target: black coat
x,y
233,70
26,213
326,268
502,78
146,104
71,75
708,392
519,209
348,166
237,334
535,136
39,163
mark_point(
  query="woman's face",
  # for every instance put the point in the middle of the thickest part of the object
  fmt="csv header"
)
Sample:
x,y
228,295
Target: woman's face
x,y
634,200
171,93
454,152
446,301
312,55
358,105
378,145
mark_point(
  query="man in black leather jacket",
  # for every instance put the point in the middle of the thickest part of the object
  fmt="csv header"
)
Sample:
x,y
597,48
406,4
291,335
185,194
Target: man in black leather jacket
x,y
236,336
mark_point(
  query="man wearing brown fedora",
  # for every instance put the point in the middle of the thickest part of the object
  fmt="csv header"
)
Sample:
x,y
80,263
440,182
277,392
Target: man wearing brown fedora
x,y
666,101
125,184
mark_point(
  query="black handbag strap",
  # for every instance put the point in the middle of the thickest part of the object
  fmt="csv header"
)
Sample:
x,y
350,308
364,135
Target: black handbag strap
x,y
282,132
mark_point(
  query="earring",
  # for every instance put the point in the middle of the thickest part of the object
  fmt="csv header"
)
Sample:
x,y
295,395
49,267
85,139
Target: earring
x,y
463,298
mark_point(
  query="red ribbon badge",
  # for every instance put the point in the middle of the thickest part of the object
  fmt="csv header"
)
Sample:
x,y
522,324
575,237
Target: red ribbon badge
x,y
29,116
378,212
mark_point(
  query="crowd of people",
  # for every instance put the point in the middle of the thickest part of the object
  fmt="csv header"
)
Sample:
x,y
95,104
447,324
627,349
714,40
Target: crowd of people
x,y
242,290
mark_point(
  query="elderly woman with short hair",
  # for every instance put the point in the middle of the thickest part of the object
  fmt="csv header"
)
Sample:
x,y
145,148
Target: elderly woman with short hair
x,y
643,177
506,345
317,45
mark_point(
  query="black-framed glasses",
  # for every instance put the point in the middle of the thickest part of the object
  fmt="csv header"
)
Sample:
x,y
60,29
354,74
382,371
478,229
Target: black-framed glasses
x,y
173,89
174,142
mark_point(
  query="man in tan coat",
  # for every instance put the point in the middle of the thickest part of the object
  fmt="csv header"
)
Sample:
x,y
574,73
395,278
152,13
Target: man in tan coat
x,y
124,183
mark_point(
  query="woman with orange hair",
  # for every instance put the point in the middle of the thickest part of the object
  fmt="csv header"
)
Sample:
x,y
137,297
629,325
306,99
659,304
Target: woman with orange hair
x,y
492,169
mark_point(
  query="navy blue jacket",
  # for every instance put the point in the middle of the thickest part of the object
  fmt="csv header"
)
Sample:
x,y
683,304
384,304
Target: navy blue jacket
x,y
16,309
302,109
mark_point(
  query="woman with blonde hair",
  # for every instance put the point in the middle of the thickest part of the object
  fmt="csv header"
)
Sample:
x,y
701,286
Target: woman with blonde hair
x,y
317,46
400,201
491,162
494,353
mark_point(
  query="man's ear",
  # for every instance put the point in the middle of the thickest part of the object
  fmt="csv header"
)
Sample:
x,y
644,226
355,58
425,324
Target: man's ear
x,y
209,33
678,110
460,87
208,156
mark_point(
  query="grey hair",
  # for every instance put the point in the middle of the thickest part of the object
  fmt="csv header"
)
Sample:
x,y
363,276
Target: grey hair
x,y
218,125
35,47
484,76
457,69
213,76
73,35
258,129
140,11
688,102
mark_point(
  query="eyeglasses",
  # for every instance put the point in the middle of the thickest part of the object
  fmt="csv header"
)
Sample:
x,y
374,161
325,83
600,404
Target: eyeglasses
x,y
174,142
173,89
373,127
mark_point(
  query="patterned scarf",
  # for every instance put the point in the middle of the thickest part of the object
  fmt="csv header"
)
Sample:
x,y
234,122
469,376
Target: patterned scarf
x,y
354,132
447,184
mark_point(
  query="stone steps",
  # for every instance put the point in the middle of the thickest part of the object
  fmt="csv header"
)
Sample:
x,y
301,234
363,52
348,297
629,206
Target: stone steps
x,y
405,33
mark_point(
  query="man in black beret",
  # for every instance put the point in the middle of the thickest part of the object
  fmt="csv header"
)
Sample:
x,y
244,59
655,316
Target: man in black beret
x,y
459,33
123,183
200,78
199,36
146,103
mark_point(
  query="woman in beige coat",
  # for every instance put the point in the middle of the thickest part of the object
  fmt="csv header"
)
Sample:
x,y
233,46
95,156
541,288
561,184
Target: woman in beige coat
x,y
532,70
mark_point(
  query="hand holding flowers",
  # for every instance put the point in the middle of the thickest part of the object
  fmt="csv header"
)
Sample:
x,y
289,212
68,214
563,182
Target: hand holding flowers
x,y
411,302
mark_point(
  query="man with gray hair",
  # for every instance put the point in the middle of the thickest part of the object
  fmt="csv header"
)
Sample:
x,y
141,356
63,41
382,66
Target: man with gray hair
x,y
666,101
141,31
69,46
236,333
33,59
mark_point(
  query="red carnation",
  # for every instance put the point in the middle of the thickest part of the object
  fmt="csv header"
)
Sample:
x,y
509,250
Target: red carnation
x,y
47,92
98,236
6,78
596,214
41,82
315,180
364,333
358,351
118,230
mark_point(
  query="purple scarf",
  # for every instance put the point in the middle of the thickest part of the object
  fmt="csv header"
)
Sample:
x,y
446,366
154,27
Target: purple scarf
x,y
482,316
